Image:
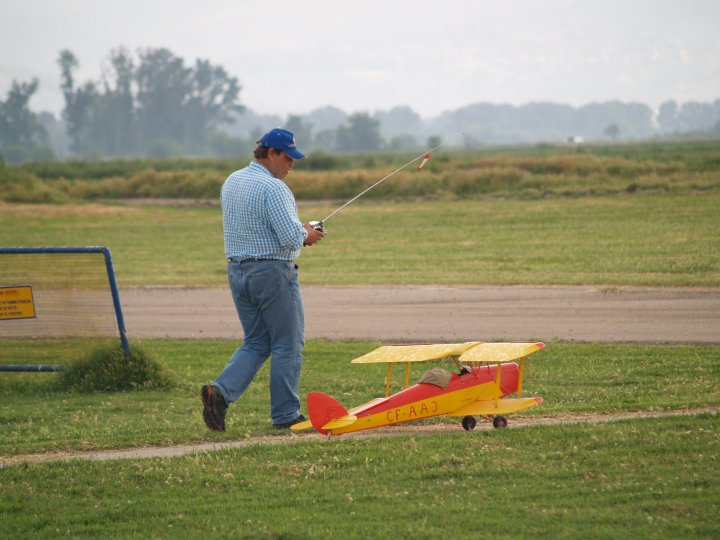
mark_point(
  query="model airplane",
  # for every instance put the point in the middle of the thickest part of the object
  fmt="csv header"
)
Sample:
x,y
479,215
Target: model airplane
x,y
486,374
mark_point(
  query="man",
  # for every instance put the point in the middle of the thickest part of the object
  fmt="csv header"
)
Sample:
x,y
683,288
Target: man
x,y
263,236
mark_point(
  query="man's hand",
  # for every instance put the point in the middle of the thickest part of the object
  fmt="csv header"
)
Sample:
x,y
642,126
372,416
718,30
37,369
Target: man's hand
x,y
312,235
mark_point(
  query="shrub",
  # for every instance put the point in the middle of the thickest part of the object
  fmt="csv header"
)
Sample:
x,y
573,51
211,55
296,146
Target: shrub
x,y
162,148
108,369
15,153
22,187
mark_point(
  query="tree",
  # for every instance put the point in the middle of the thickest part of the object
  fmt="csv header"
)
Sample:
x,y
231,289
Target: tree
x,y
20,129
325,140
399,121
403,143
67,62
612,131
226,145
211,101
301,130
58,140
18,124
155,103
696,116
163,85
433,141
593,120
116,114
326,118
668,116
80,106
180,103
362,135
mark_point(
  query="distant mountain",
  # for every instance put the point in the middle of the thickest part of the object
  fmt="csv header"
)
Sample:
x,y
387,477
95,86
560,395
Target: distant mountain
x,y
489,123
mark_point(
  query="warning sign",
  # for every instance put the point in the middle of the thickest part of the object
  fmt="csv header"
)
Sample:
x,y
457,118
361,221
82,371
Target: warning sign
x,y
16,303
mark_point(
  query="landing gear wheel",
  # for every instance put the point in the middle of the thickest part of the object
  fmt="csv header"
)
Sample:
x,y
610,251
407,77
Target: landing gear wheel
x,y
468,423
500,422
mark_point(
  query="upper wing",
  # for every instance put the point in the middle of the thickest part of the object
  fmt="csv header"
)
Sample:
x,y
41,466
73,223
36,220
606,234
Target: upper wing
x,y
503,406
499,352
414,353
471,351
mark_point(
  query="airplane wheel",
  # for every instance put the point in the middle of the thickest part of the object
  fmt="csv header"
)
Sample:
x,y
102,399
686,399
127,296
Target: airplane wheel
x,y
468,423
500,422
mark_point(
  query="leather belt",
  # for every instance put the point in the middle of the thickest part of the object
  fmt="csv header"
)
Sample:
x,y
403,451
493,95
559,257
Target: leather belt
x,y
249,259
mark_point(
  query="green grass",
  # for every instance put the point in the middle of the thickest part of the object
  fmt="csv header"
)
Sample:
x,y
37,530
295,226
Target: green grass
x,y
653,478
36,417
529,216
645,478
658,240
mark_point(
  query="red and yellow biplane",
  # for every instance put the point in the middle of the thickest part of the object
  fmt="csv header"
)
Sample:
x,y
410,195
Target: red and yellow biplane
x,y
487,372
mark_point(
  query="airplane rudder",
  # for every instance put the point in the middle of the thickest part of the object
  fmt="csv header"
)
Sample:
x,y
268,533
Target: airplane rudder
x,y
322,408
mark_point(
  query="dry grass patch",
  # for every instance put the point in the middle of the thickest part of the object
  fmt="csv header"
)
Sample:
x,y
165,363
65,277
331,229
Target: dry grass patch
x,y
62,210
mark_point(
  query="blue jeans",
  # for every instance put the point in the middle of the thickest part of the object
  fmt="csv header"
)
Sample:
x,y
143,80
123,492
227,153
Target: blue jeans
x,y
268,302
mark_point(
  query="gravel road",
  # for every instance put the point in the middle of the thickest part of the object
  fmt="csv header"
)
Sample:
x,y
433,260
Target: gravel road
x,y
412,314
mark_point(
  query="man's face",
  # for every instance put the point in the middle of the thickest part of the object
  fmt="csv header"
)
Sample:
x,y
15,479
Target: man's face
x,y
279,163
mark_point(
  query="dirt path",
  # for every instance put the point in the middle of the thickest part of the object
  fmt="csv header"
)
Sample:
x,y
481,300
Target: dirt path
x,y
625,314
419,429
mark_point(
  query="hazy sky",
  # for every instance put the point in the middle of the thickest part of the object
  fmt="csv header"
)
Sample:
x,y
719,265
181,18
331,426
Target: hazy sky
x,y
295,56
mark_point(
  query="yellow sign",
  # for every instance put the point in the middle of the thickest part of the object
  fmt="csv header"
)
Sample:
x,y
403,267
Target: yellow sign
x,y
16,303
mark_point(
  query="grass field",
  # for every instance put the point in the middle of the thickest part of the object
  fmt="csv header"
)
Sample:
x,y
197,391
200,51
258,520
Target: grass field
x,y
573,378
633,479
602,216
649,478
660,240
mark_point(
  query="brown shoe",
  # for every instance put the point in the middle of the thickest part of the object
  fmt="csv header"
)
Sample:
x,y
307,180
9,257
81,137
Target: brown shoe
x,y
214,407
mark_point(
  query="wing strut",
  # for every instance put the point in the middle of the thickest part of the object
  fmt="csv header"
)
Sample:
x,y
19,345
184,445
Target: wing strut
x,y
455,359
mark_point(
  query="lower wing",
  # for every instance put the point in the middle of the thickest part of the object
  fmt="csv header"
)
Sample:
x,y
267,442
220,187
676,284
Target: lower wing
x,y
491,407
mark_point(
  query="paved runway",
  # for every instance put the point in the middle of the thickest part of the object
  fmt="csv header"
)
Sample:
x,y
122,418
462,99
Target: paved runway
x,y
421,314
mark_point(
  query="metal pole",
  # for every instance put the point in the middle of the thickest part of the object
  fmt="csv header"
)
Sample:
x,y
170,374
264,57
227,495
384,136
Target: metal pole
x,y
116,302
30,368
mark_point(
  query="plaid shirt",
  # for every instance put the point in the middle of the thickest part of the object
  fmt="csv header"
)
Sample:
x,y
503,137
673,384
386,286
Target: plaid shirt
x,y
260,216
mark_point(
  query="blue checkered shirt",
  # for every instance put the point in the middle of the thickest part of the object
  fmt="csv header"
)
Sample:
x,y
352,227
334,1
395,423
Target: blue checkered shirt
x,y
260,216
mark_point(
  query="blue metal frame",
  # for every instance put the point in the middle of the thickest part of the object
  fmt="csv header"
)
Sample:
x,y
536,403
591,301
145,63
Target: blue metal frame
x,y
28,367
113,289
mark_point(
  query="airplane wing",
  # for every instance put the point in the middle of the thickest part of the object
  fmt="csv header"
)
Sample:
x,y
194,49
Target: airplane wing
x,y
499,352
343,421
307,424
332,424
504,406
414,353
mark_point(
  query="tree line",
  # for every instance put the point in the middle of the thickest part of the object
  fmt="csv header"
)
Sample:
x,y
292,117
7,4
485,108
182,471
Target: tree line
x,y
155,104
153,101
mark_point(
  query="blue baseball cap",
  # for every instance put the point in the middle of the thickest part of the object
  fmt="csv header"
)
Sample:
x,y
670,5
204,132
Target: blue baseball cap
x,y
282,139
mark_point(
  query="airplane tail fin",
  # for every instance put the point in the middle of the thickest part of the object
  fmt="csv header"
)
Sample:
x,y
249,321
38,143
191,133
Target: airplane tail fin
x,y
326,413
